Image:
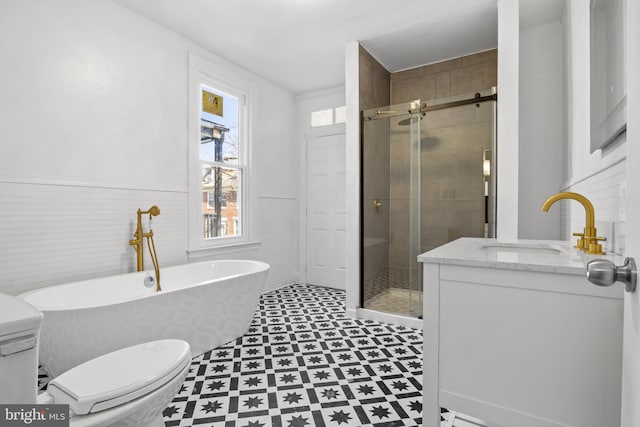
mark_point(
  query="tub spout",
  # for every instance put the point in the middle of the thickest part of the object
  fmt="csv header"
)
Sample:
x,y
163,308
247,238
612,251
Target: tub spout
x,y
588,240
137,243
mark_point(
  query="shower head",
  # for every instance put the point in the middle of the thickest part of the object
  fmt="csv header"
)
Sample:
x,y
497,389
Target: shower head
x,y
154,211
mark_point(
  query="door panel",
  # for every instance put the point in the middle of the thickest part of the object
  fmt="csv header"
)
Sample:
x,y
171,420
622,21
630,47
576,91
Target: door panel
x,y
326,211
631,346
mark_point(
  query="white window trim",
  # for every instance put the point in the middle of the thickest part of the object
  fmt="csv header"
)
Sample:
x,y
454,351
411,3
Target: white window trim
x,y
203,71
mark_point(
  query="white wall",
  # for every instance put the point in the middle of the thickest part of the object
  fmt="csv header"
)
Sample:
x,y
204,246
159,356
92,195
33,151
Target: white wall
x,y
352,99
508,116
542,133
597,176
554,140
93,125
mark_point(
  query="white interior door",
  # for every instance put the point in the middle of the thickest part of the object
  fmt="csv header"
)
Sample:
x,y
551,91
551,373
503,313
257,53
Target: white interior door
x,y
631,337
631,351
326,211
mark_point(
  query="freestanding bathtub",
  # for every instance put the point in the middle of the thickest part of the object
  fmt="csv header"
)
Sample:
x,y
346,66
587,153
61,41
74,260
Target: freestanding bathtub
x,y
206,304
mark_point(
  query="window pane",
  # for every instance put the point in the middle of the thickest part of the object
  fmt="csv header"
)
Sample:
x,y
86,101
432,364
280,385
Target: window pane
x,y
322,118
219,118
220,202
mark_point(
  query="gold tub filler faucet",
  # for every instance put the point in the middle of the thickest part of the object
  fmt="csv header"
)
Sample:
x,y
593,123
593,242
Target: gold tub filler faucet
x,y
588,240
138,245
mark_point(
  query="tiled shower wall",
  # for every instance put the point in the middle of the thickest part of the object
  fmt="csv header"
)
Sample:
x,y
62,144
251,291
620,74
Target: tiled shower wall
x,y
467,74
452,141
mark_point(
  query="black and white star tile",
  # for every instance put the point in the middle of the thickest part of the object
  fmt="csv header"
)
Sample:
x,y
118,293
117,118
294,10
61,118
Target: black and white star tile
x,y
304,363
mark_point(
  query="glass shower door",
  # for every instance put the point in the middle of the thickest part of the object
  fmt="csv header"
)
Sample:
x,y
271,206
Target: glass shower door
x,y
458,163
427,179
391,219
414,268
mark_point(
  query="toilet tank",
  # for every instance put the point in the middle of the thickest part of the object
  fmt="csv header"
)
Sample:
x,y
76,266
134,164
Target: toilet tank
x,y
19,333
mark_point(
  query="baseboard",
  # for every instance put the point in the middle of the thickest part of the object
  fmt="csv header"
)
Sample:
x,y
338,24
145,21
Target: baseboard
x,y
394,319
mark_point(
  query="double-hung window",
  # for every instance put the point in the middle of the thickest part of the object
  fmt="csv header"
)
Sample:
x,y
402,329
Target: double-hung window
x,y
218,163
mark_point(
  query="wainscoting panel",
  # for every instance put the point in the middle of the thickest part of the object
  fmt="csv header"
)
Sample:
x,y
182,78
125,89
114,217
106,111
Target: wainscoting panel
x,y
51,234
603,190
278,225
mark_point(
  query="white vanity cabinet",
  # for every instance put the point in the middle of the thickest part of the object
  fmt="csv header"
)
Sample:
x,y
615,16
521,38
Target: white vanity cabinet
x,y
514,334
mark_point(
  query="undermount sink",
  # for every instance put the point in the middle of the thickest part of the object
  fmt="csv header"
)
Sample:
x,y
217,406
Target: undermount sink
x,y
532,248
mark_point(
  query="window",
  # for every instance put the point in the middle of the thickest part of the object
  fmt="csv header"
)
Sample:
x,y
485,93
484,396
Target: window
x,y
321,118
220,161
328,117
218,165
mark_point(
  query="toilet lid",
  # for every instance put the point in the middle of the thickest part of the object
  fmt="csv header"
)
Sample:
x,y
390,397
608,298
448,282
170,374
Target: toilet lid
x,y
121,376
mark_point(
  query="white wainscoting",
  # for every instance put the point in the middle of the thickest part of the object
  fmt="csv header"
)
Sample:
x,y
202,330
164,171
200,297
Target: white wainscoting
x,y
52,234
277,221
58,233
603,190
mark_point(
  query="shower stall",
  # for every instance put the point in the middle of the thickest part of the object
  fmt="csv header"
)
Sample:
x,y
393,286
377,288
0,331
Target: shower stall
x,y
427,179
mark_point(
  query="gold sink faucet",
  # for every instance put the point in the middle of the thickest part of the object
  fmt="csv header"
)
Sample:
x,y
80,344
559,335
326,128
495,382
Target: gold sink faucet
x,y
588,240
138,246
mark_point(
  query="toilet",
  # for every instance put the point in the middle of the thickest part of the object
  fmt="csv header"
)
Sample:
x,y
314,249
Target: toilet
x,y
127,387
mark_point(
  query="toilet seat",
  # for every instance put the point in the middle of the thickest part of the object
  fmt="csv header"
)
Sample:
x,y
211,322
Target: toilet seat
x,y
121,376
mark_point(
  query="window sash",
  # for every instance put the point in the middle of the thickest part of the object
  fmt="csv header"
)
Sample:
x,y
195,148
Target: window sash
x,y
209,75
214,228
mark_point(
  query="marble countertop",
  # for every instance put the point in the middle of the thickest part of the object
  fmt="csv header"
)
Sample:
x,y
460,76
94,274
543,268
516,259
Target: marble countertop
x,y
552,256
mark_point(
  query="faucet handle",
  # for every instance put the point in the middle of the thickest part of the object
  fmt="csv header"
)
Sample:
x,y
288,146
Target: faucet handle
x,y
595,247
581,244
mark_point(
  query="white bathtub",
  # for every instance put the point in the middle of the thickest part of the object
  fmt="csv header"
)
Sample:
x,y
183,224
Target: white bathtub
x,y
206,304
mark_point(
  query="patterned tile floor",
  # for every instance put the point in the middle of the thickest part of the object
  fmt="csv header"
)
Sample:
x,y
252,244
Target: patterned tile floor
x,y
304,363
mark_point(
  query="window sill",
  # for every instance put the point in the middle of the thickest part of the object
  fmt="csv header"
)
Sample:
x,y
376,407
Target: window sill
x,y
203,254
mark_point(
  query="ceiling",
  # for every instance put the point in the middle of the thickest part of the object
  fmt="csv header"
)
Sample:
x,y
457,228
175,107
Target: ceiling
x,y
299,44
